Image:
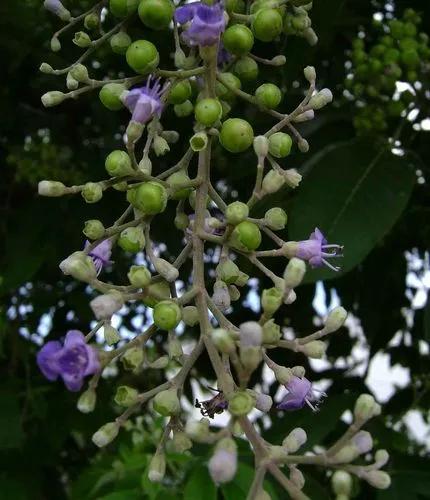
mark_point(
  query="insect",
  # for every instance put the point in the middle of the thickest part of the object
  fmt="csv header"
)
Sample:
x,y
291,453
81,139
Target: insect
x,y
212,406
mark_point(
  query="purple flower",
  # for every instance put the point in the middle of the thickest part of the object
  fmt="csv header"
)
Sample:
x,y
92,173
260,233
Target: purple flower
x,y
72,361
145,102
300,392
314,250
207,22
224,55
101,254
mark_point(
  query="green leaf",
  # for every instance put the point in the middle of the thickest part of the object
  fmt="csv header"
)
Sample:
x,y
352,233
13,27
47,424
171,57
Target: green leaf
x,y
354,194
200,485
11,433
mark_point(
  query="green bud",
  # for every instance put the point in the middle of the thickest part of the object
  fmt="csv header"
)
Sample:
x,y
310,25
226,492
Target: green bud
x,y
250,357
238,39
150,198
236,135
303,145
246,69
181,442
268,95
157,468
106,434
167,270
365,407
132,239
110,96
142,56
92,192
82,39
111,334
179,92
208,111
341,482
280,144
271,333
126,396
160,363
234,293
276,218
171,136
139,276
166,403
156,14
175,181
120,42
167,315
87,401
184,109
199,141
80,73
156,292
182,221
52,189
295,440
310,74
132,359
227,271
223,341
122,8
294,273
160,146
46,68
315,349
261,146
118,164
267,25
80,266
271,300
272,182
241,403
236,212
71,83
248,235
52,98
190,315
282,374
335,319
92,21
145,165
321,99
55,44
242,279
94,229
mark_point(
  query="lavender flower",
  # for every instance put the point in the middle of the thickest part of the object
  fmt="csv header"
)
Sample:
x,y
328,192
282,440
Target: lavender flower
x,y
145,102
72,361
207,22
314,250
300,392
101,254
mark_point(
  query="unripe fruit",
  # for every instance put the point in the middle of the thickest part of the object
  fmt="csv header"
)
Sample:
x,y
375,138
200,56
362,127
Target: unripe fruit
x,y
236,212
167,315
208,111
223,92
179,92
280,145
248,234
238,39
156,292
268,95
92,21
236,135
246,69
142,56
156,14
177,179
150,198
184,109
118,163
122,8
267,25
166,403
132,239
110,96
120,42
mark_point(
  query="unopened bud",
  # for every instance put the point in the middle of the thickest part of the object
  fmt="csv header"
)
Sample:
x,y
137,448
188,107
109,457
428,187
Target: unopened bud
x,y
236,212
198,430
297,477
271,300
341,482
381,458
132,359
167,270
295,440
241,403
335,319
181,442
227,271
273,181
80,266
306,116
157,468
80,73
378,479
276,218
106,434
46,68
271,333
279,60
363,442
87,401
282,374
92,192
82,39
145,165
292,178
51,188
303,145
321,99
160,363
190,315
104,306
298,371
365,407
310,36
242,280
160,145
126,396
315,349
234,293
294,273
139,276
261,146
166,403
134,131
52,98
111,335
55,44
222,340
310,74
94,229
290,298
251,334
57,8
223,463
221,297
263,402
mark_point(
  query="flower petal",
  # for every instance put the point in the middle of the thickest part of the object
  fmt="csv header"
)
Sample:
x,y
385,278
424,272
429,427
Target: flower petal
x,y
74,338
186,12
47,359
93,361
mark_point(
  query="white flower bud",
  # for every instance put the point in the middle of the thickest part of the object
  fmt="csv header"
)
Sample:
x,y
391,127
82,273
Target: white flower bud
x,y
57,8
223,463
80,266
80,73
381,458
321,99
278,60
335,319
292,178
295,440
263,402
106,434
272,182
305,117
341,482
294,273
52,98
46,68
167,270
51,188
104,306
134,131
223,340
363,442
251,334
87,401
261,146
365,407
290,298
198,430
303,145
310,74
346,454
297,477
55,44
157,468
378,479
315,349
221,297
310,36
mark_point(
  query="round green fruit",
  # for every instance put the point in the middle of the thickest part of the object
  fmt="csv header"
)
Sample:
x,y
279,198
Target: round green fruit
x,y
142,56
110,96
236,135
268,95
208,111
267,25
238,39
179,92
156,14
122,8
248,234
150,198
118,163
246,69
167,315
280,144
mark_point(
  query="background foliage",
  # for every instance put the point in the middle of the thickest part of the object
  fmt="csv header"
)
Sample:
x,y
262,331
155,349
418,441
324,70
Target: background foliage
x,y
371,203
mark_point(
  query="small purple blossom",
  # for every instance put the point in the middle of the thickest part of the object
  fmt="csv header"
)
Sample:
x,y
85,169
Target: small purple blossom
x,y
101,254
145,102
314,250
72,361
207,22
300,392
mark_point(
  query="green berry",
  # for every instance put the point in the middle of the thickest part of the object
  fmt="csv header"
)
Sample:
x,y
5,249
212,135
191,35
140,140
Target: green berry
x,y
139,276
410,58
236,135
142,56
179,92
150,198
267,25
268,95
177,179
238,39
223,92
132,239
110,96
120,42
156,14
248,234
167,315
280,144
156,292
208,111
122,8
118,163
246,69
184,109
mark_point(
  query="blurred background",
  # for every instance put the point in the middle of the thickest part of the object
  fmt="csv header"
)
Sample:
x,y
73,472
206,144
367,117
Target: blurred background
x,y
376,203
